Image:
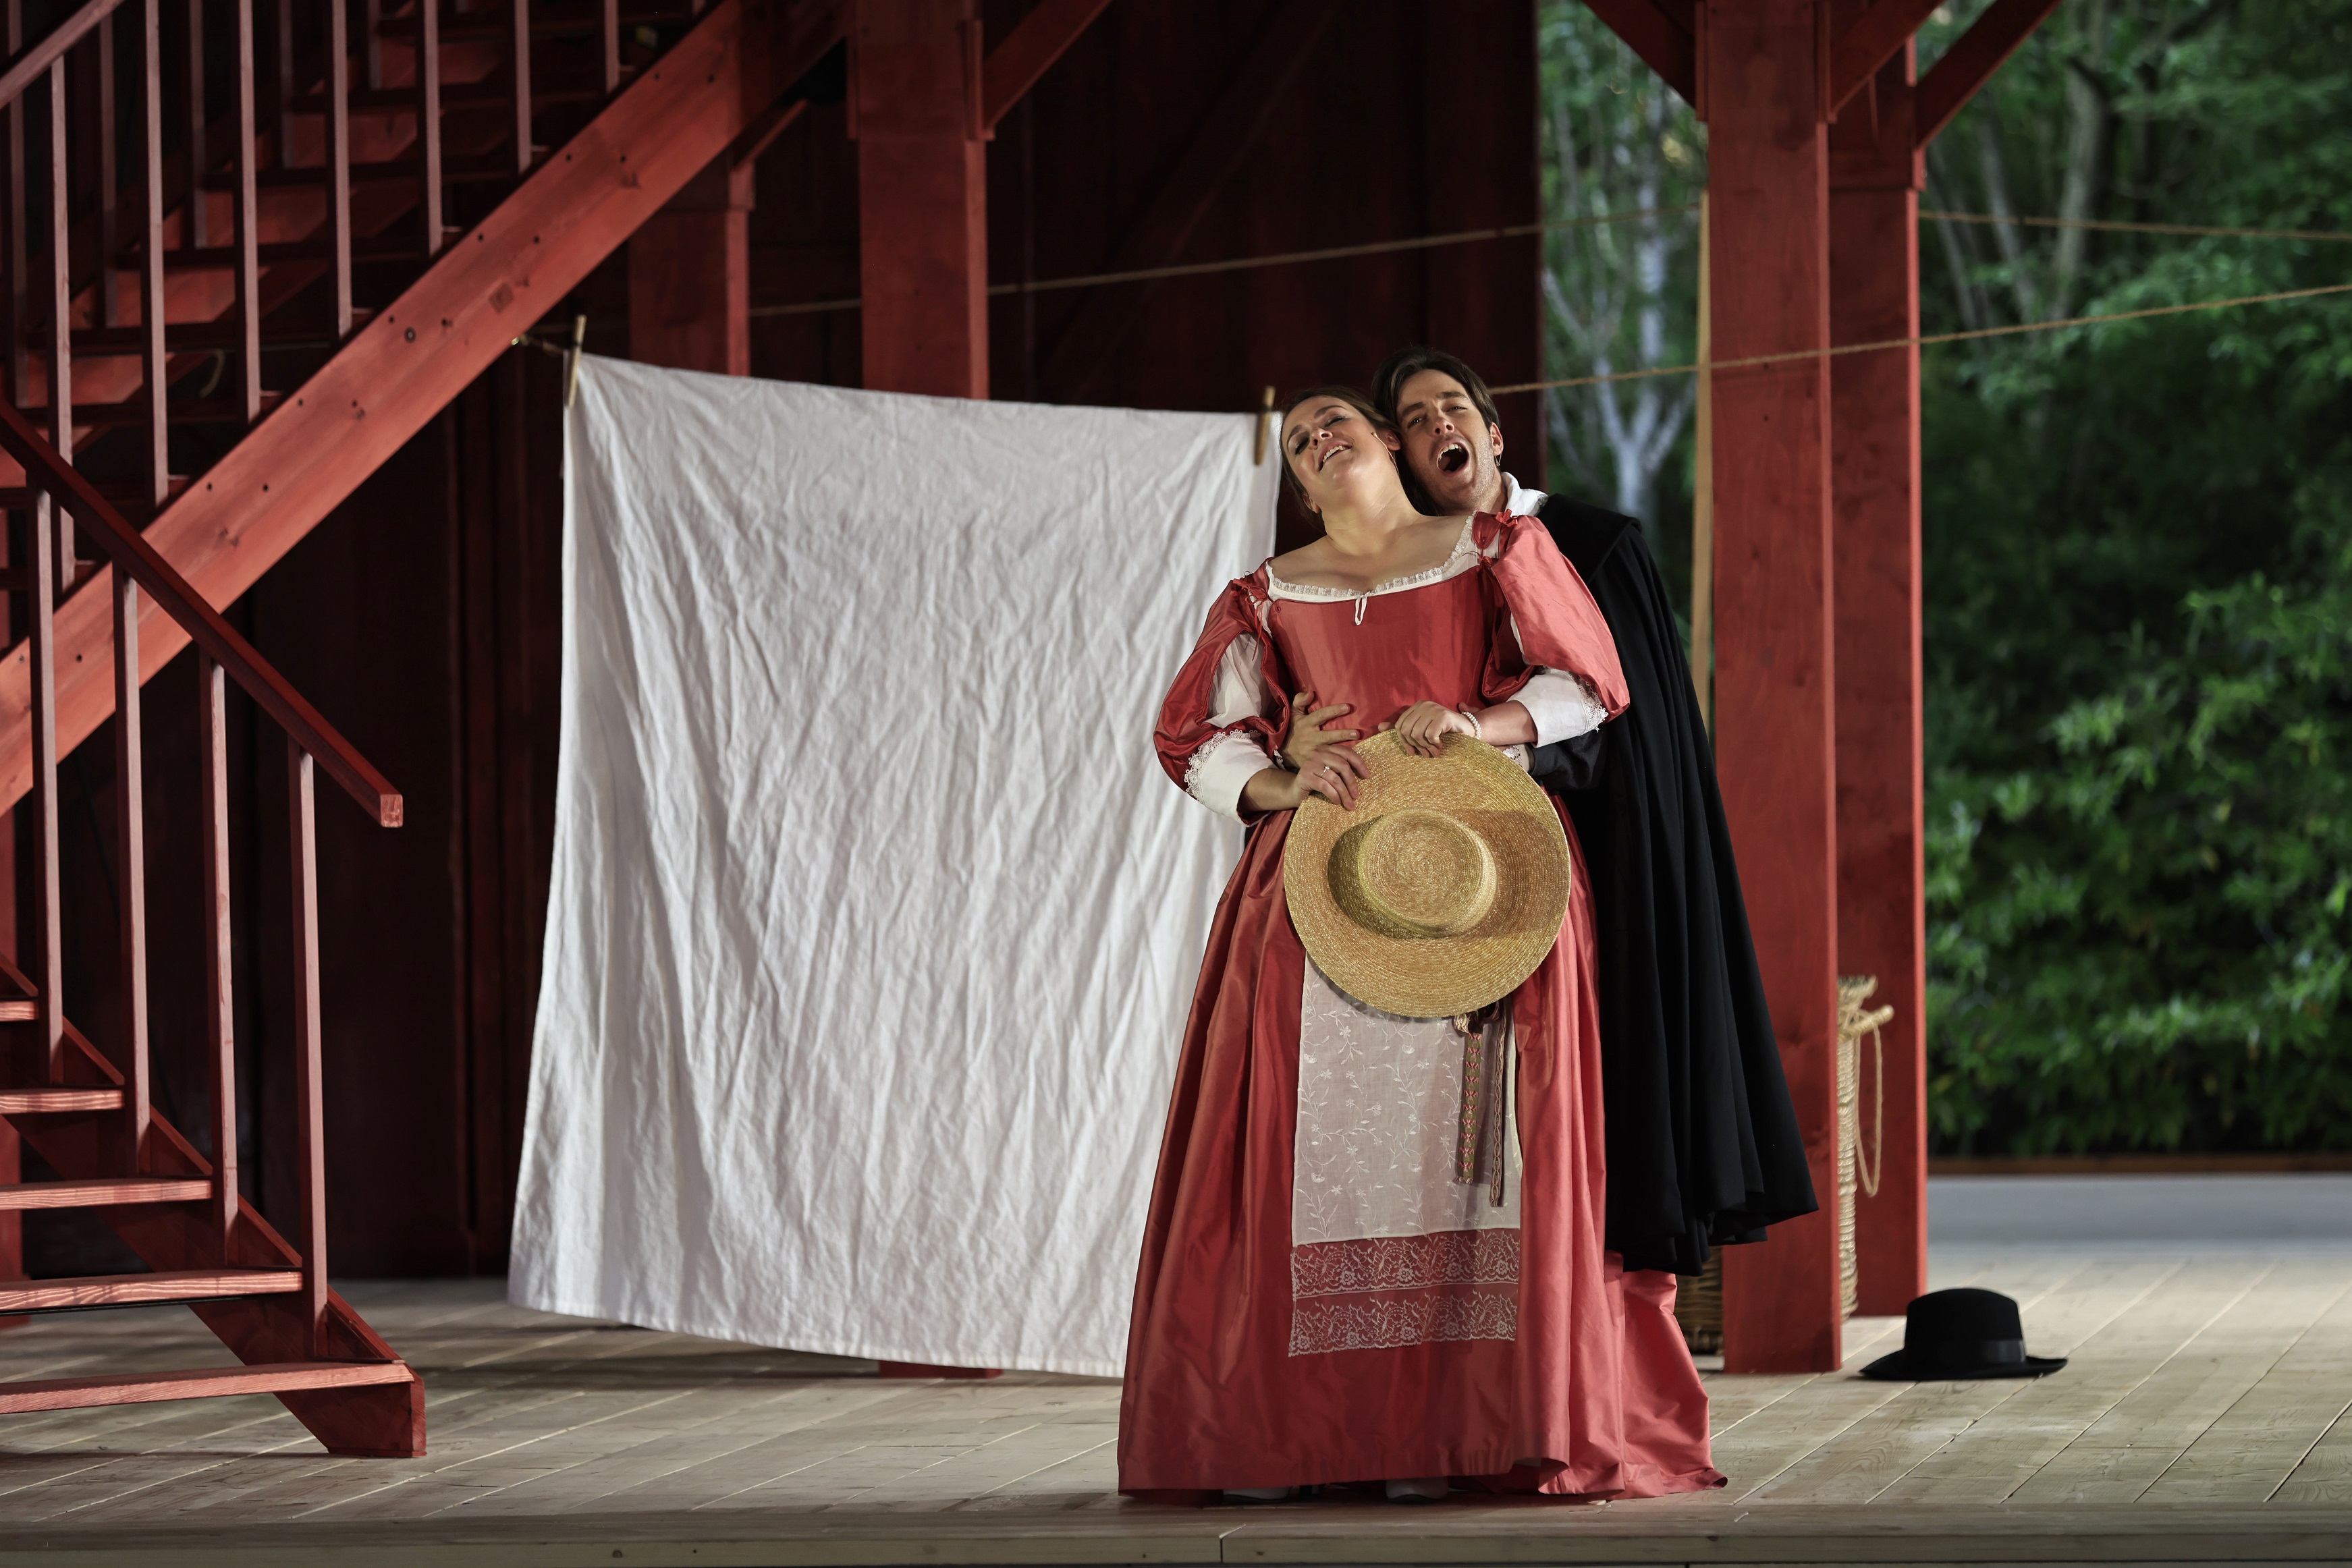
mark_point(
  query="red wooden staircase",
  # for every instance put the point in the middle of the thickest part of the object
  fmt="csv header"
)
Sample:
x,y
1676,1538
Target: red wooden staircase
x,y
227,301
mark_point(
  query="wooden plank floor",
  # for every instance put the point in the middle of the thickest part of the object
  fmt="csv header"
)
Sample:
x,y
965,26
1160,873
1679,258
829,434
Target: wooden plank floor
x,y
2203,1417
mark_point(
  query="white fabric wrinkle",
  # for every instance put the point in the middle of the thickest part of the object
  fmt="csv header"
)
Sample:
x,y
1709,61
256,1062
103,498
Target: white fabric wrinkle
x,y
828,1018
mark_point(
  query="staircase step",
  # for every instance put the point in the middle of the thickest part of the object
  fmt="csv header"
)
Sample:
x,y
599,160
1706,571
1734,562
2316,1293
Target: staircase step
x,y
225,259
18,1010
203,337
133,411
54,1101
205,1383
546,21
136,1290
455,171
102,1192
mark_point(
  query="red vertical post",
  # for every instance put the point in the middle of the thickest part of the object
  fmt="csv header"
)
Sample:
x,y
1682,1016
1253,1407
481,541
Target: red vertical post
x,y
220,1017
1875,174
338,165
151,255
1761,64
690,276
922,193
196,233
248,226
428,123
131,866
309,1113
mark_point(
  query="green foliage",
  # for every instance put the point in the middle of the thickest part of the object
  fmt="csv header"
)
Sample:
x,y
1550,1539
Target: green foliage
x,y
2139,579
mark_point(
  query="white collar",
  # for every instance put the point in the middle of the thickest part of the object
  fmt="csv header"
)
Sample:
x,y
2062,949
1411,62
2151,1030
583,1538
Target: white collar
x,y
1521,502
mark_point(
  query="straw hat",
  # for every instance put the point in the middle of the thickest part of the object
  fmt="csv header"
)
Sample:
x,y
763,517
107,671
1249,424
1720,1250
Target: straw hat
x,y
1442,888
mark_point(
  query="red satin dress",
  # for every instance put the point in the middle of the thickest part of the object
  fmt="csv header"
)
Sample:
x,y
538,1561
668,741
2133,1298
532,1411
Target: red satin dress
x,y
1523,1360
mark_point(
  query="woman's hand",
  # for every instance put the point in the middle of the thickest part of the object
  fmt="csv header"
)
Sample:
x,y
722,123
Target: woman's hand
x,y
1424,725
1331,771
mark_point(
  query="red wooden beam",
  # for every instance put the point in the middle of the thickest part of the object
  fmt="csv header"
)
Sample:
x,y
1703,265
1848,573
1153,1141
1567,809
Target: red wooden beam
x,y
1662,32
1969,63
406,364
1029,50
1875,179
1768,192
1871,40
29,65
1227,133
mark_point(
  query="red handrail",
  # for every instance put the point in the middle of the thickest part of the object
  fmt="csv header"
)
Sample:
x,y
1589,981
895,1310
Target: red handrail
x,y
28,67
131,554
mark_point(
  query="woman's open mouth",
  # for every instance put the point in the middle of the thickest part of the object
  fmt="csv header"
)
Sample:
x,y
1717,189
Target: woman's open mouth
x,y
1454,459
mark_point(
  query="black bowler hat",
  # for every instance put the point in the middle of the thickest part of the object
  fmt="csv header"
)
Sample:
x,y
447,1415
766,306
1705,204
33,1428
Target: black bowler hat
x,y
1962,1335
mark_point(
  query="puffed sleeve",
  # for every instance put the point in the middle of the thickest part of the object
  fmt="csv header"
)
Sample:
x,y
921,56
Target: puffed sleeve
x,y
1222,720
1557,627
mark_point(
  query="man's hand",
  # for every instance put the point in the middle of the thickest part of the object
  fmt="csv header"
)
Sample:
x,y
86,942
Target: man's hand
x,y
1319,755
1308,731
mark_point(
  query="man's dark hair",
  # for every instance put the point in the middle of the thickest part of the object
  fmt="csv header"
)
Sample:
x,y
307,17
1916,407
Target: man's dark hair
x,y
1406,363
1348,395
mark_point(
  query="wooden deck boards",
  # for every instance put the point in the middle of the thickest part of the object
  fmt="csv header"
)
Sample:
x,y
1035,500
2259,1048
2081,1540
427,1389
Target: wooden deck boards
x,y
2206,1414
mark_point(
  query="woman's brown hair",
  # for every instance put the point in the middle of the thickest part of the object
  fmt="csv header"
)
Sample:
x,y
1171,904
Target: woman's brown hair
x,y
1345,394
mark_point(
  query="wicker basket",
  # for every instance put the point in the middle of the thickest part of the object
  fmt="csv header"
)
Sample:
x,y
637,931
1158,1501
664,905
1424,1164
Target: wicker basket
x,y
1698,1304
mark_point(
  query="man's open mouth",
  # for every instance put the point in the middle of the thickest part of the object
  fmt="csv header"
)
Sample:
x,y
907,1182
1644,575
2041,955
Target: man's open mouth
x,y
1454,459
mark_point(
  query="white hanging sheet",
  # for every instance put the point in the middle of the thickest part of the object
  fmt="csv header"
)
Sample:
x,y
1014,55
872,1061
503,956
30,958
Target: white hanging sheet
x,y
873,922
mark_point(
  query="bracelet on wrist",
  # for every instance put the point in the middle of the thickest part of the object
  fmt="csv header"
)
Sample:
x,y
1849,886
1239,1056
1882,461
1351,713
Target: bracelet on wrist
x,y
1477,730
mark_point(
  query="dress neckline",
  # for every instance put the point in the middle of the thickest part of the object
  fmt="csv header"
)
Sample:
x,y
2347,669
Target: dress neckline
x,y
1464,556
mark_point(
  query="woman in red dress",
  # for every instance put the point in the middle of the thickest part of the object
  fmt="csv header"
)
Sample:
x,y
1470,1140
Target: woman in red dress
x,y
1321,1300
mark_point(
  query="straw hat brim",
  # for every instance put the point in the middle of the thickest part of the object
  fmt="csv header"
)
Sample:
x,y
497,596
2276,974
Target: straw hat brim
x,y
1435,976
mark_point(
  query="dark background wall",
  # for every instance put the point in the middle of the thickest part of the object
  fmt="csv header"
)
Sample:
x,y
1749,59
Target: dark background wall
x,y
423,618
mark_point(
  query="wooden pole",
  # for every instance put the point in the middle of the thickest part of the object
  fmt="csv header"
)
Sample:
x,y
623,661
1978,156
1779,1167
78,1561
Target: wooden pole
x,y
1876,175
1775,669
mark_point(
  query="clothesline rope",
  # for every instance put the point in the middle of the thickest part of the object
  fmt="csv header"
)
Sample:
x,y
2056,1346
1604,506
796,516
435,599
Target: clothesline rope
x,y
1519,231
1928,340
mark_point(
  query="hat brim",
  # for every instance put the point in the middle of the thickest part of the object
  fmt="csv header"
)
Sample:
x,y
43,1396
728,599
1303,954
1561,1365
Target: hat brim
x,y
1436,977
1896,1368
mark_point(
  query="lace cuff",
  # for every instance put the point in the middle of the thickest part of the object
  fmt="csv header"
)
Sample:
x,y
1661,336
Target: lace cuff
x,y
1222,768
1563,706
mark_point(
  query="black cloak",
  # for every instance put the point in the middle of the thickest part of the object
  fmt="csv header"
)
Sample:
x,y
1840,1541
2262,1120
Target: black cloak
x,y
1703,1143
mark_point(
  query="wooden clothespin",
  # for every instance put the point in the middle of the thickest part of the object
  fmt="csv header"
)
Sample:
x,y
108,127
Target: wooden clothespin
x,y
571,361
1265,413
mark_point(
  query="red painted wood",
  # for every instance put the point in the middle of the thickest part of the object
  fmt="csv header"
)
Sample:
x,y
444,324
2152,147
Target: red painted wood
x,y
1871,39
690,276
55,1102
338,131
206,1383
309,1113
27,66
185,609
1029,51
1969,63
925,1369
1236,125
1660,35
1876,176
127,1290
383,1420
248,224
102,1191
197,232
153,360
428,152
316,447
1769,195
518,84
131,866
217,934
19,1012
922,193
